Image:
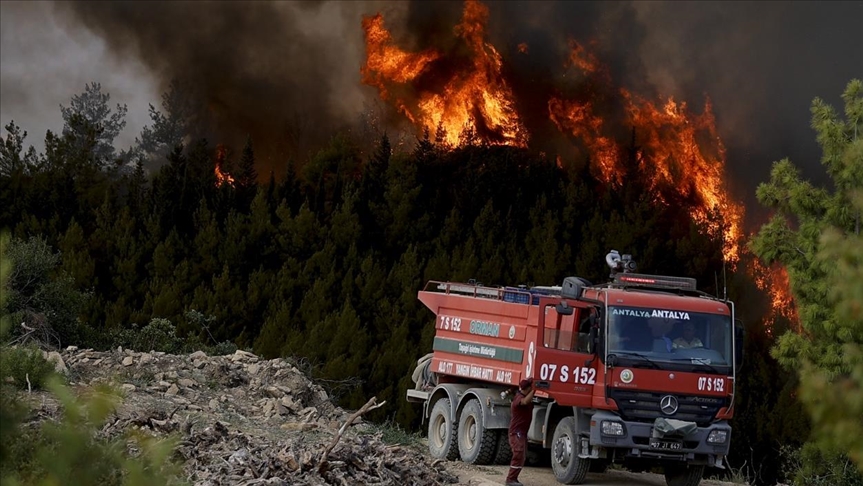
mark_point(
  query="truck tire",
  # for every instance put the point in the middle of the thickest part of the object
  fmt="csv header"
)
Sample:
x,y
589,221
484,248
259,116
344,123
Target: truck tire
x,y
476,444
568,467
502,451
443,431
683,475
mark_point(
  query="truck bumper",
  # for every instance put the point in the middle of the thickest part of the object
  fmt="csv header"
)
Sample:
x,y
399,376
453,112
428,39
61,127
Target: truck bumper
x,y
635,443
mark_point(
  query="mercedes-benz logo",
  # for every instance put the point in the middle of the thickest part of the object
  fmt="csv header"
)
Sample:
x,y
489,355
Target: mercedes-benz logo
x,y
668,404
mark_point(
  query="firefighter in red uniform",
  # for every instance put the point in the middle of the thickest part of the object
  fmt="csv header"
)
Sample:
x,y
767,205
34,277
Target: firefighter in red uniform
x,y
521,415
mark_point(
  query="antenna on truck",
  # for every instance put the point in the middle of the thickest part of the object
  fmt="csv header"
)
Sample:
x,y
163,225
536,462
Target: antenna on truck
x,y
724,282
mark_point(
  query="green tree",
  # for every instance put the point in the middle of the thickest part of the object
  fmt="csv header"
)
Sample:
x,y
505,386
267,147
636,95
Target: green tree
x,y
89,119
170,126
819,268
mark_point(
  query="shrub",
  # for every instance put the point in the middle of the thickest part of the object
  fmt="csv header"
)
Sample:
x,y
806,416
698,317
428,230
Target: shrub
x,y
23,364
38,292
812,465
56,452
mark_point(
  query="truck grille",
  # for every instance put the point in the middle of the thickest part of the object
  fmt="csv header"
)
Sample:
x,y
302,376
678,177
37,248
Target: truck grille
x,y
639,406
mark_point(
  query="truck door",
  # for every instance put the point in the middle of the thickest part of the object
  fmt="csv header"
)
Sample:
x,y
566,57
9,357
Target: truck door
x,y
564,364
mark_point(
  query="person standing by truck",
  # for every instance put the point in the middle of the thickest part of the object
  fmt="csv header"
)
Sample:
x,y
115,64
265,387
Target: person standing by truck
x,y
521,415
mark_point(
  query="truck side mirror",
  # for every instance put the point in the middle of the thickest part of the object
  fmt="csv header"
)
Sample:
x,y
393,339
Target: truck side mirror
x,y
563,308
738,344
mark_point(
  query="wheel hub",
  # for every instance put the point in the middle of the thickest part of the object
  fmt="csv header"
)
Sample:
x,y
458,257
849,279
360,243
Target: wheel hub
x,y
563,450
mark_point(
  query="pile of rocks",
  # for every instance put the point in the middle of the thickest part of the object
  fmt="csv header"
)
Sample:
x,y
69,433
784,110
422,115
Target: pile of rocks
x,y
244,420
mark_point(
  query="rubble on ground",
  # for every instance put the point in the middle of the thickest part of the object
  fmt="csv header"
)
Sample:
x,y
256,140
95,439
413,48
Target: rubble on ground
x,y
242,420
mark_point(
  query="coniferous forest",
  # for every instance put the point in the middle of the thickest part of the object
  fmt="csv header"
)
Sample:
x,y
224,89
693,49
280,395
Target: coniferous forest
x,y
323,263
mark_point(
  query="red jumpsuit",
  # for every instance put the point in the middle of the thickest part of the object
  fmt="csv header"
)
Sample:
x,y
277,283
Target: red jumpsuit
x,y
520,421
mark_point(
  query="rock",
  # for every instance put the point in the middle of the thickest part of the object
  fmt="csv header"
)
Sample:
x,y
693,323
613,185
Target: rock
x,y
253,369
145,358
59,365
268,407
214,404
281,409
128,387
199,363
274,392
198,355
240,355
289,403
128,360
172,390
71,349
185,382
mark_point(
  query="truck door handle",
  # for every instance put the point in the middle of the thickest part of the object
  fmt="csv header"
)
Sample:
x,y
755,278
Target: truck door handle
x,y
542,384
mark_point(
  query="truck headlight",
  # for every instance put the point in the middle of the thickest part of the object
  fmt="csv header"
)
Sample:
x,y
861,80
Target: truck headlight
x,y
717,436
611,428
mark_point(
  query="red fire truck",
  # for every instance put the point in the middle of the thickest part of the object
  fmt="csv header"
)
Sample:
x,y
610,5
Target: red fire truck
x,y
639,371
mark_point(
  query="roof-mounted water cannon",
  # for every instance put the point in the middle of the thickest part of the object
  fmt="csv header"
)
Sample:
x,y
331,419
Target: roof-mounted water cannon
x,y
620,263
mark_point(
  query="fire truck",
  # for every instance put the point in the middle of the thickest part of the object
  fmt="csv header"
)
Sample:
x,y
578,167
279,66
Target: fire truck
x,y
639,371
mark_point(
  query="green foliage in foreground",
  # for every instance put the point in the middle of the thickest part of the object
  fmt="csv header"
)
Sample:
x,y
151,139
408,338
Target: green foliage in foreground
x,y
52,453
816,235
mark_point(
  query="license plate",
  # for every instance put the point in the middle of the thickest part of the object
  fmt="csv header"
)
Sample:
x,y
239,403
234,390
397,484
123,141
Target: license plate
x,y
666,445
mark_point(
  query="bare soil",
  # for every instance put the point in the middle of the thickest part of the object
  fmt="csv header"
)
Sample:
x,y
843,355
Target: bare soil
x,y
543,476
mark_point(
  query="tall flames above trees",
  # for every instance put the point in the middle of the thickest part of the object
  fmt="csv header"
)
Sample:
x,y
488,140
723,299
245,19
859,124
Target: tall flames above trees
x,y
458,96
461,96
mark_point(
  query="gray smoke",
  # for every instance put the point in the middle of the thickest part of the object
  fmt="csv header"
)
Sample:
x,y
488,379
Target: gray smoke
x,y
286,72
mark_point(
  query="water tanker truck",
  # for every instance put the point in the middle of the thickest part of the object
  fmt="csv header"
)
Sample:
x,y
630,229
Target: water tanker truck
x,y
639,371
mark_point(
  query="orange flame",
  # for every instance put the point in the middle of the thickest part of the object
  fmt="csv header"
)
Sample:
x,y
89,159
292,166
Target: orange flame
x,y
774,281
682,151
471,103
222,178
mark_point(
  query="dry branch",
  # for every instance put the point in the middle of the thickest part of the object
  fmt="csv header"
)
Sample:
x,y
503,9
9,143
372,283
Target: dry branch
x,y
370,405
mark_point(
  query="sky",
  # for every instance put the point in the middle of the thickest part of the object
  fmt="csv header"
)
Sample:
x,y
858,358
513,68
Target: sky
x,y
266,65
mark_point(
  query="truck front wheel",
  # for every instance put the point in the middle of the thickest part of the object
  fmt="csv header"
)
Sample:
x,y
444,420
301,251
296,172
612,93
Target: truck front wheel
x,y
475,443
683,475
568,467
442,431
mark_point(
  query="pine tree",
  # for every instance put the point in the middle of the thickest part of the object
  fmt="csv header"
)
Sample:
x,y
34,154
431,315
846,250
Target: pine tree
x,y
826,353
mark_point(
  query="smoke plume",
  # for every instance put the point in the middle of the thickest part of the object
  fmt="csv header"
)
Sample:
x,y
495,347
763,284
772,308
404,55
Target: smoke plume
x,y
288,74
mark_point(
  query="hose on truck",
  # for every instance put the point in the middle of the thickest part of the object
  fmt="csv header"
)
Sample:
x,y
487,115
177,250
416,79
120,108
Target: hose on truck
x,y
423,377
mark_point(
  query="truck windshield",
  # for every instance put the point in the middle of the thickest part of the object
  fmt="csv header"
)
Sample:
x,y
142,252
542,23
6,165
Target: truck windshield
x,y
671,339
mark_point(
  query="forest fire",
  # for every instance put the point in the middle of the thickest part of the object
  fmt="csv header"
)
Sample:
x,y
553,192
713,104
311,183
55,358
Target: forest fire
x,y
461,99
222,177
461,95
773,280
676,150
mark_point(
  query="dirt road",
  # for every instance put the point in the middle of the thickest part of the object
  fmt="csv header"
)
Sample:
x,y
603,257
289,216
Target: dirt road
x,y
542,476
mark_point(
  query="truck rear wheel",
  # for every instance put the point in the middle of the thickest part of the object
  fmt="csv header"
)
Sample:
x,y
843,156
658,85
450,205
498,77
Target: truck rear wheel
x,y
442,431
502,451
683,475
476,444
568,467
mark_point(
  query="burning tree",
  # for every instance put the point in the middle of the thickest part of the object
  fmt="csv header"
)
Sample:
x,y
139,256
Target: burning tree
x,y
815,234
